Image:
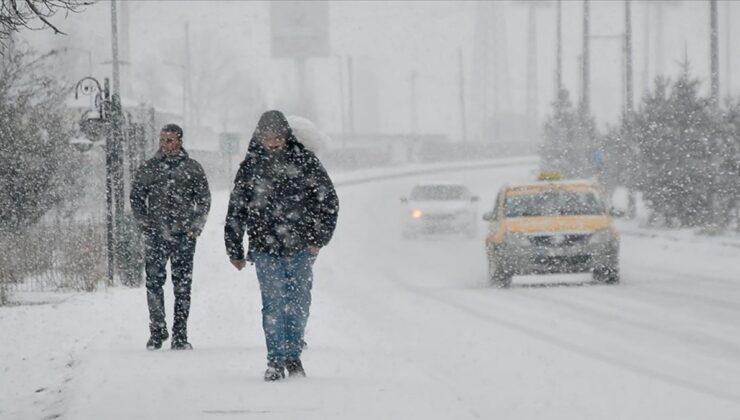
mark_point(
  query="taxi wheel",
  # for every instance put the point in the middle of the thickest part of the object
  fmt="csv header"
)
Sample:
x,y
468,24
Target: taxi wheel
x,y
503,280
497,275
608,275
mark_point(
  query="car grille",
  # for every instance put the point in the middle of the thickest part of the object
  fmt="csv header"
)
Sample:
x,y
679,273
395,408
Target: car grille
x,y
575,260
559,240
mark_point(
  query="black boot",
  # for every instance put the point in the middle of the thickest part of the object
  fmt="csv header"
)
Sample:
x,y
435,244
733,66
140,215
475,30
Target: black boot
x,y
156,339
274,374
181,343
295,369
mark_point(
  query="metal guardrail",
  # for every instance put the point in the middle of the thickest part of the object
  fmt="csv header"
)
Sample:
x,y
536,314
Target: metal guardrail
x,y
404,173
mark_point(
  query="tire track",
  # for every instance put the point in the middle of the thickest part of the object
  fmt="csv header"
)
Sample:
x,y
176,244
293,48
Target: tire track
x,y
579,349
578,308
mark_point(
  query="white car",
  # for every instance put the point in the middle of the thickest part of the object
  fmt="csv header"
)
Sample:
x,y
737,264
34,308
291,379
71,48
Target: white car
x,y
440,208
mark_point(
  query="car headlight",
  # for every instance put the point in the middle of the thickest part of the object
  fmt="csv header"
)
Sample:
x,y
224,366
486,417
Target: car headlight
x,y
416,214
601,236
516,239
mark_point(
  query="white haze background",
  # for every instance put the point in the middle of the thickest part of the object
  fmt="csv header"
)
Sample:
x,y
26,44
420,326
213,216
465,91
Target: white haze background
x,y
399,329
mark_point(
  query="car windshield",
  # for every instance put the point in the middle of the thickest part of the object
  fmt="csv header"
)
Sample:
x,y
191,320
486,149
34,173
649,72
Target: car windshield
x,y
438,193
554,203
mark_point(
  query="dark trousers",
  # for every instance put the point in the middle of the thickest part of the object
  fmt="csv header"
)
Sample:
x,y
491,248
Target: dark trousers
x,y
179,251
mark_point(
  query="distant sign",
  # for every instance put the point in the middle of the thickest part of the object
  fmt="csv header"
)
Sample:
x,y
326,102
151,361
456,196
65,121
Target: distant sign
x,y
300,29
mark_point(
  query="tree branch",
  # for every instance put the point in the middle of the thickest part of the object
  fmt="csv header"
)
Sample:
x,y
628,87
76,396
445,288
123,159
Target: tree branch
x,y
43,18
17,14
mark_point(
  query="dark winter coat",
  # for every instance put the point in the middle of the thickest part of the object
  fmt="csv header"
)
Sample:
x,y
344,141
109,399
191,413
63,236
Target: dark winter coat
x,y
170,195
286,202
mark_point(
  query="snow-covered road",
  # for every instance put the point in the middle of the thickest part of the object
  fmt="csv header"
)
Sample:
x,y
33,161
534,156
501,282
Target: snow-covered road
x,y
400,329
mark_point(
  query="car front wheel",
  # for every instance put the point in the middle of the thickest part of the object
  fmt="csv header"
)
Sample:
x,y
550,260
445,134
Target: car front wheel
x,y
498,274
608,275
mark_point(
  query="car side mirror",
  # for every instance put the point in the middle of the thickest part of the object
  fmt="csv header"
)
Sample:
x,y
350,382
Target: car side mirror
x,y
615,212
489,216
474,199
404,200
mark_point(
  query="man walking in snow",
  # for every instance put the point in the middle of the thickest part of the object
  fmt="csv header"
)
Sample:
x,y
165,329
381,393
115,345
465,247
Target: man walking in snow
x,y
286,201
170,200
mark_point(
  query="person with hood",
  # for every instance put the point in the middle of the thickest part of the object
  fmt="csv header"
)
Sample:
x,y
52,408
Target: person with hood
x,y
286,201
170,200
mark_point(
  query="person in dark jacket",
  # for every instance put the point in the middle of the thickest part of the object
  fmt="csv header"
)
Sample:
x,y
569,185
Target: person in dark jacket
x,y
170,200
286,201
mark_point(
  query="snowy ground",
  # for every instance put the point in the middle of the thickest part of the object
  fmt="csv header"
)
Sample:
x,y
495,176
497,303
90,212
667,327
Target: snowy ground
x,y
401,329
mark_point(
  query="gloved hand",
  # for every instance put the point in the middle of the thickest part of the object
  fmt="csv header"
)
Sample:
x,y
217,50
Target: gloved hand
x,y
194,233
239,264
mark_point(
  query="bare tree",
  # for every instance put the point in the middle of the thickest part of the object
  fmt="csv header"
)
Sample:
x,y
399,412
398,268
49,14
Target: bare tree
x,y
18,14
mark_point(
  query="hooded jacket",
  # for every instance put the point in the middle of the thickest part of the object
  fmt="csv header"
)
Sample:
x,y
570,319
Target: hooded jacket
x,y
285,201
170,195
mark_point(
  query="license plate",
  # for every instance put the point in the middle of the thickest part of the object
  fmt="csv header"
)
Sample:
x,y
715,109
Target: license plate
x,y
550,252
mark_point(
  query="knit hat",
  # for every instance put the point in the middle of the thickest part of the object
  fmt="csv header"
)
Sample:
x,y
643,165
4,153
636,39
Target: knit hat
x,y
272,122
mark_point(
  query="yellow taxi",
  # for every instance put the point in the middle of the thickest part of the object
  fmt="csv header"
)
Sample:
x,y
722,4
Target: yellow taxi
x,y
551,226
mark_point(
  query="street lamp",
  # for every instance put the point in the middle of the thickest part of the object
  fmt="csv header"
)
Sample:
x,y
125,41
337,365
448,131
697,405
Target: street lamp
x,y
95,125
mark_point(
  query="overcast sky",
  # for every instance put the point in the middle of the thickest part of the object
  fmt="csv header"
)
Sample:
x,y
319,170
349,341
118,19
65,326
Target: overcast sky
x,y
235,77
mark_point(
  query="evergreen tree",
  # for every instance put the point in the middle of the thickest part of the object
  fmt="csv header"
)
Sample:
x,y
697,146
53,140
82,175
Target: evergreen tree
x,y
674,132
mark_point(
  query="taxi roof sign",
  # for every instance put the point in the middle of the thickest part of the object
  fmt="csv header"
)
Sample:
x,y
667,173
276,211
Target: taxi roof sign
x,y
549,176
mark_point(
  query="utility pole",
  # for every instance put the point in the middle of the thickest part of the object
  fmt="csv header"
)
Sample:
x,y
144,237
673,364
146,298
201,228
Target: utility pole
x,y
728,48
646,47
109,187
114,44
629,100
412,102
124,50
628,55
187,99
559,49
585,99
659,44
579,58
351,87
714,53
114,145
714,98
461,74
342,110
501,85
532,99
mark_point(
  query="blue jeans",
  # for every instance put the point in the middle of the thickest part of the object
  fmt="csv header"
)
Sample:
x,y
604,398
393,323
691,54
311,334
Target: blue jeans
x,y
285,284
